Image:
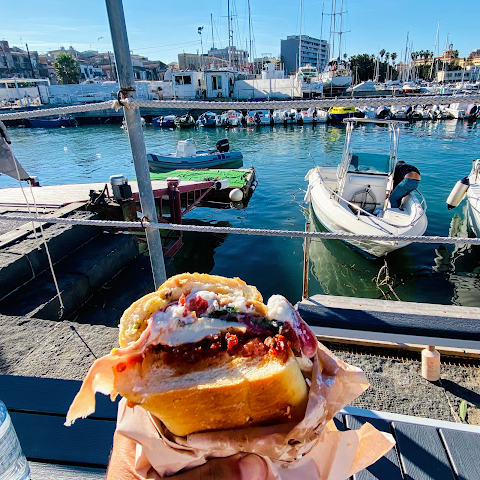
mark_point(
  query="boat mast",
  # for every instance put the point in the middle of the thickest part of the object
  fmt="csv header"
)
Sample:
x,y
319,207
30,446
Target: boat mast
x,y
229,35
300,39
334,8
213,39
435,51
340,32
320,47
405,62
250,32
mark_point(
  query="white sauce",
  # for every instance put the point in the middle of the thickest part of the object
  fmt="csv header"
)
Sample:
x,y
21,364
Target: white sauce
x,y
195,332
280,309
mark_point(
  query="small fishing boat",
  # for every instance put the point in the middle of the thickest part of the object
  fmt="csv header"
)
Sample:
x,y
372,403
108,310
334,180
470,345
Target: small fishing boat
x,y
184,121
187,157
338,114
49,122
469,188
307,116
207,119
321,116
353,196
164,121
124,123
258,117
230,118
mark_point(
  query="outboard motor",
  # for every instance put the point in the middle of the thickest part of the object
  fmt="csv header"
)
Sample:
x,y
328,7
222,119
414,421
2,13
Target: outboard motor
x,y
223,146
383,112
408,111
472,111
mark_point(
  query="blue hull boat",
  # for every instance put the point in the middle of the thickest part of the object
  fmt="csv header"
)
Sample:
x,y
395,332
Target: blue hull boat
x,y
164,121
187,157
207,119
61,121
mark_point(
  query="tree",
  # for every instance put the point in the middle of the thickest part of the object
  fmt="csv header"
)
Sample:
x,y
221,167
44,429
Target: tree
x,y
394,57
66,69
382,53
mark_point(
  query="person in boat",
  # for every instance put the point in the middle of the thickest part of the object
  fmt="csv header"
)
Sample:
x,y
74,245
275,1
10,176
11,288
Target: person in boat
x,y
405,179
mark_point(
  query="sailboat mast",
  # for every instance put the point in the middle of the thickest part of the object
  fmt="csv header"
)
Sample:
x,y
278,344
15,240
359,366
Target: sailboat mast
x,y
213,39
300,39
334,13
229,35
250,31
321,35
340,32
405,62
435,50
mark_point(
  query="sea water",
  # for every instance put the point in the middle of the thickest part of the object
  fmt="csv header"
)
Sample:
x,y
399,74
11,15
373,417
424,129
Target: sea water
x,y
435,273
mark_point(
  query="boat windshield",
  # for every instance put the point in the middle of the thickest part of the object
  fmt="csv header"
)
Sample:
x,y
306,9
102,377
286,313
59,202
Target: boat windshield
x,y
370,161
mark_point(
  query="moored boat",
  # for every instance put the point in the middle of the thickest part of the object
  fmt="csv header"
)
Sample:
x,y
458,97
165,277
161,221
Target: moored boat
x,y
57,122
164,121
353,197
338,114
184,121
207,119
187,157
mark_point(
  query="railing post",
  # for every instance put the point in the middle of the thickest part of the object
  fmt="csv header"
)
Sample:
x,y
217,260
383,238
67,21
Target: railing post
x,y
306,250
126,80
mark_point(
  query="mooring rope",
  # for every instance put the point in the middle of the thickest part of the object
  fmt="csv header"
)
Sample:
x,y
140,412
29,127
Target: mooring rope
x,y
232,105
247,231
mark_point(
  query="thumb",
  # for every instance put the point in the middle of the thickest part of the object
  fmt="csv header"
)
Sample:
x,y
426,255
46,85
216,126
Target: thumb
x,y
236,467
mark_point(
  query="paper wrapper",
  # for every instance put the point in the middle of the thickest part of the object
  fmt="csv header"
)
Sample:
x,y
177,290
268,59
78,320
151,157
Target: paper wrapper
x,y
311,449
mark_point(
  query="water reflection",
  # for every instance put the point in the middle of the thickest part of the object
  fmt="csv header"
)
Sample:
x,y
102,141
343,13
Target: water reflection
x,y
461,264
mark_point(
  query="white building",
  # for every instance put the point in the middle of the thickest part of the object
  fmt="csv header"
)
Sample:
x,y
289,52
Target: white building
x,y
313,51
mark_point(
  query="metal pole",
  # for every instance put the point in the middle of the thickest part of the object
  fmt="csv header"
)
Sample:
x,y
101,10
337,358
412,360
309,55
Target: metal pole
x,y
126,80
306,256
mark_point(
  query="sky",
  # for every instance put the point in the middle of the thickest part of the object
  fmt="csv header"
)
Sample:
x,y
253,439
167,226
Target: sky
x,y
161,30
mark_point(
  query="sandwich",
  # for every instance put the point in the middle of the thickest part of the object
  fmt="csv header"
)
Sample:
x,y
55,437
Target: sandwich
x,y
205,353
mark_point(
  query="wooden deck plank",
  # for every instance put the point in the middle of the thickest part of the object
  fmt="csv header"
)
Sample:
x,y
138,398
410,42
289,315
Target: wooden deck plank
x,y
45,438
390,322
422,453
464,451
48,395
386,467
60,195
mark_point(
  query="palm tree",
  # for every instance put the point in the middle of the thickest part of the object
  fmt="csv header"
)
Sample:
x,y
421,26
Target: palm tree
x,y
394,57
66,69
382,53
421,54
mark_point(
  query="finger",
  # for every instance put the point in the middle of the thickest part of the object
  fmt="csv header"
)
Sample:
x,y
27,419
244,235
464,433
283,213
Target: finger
x,y
236,467
122,460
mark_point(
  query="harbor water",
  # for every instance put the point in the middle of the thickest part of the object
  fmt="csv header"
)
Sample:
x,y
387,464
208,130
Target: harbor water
x,y
443,152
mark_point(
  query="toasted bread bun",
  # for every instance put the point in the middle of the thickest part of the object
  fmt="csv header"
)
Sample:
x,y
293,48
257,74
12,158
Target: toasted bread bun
x,y
134,319
218,393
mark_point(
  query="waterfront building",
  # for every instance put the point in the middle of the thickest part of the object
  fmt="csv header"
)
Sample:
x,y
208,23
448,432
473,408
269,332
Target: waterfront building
x,y
15,62
313,51
194,61
235,58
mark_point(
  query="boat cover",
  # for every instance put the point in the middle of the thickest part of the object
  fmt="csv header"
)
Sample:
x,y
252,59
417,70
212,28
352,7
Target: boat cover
x,y
9,165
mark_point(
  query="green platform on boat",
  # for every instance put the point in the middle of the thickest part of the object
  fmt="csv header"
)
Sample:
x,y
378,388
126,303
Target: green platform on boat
x,y
236,177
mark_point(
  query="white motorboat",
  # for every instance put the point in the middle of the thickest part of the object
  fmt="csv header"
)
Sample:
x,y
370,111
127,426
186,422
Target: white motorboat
x,y
187,157
469,188
321,116
454,110
259,117
230,118
124,123
307,116
353,196
285,115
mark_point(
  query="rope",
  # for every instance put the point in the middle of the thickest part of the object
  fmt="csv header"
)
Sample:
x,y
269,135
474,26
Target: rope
x,y
249,231
271,104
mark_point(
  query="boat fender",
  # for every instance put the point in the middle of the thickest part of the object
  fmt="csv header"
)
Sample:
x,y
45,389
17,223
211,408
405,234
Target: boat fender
x,y
221,184
236,195
458,193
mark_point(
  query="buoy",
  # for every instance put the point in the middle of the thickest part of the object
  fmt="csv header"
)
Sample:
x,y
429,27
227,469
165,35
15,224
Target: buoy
x,y
458,193
236,195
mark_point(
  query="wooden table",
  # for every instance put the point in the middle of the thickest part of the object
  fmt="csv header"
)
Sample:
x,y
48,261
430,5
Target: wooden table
x,y
426,449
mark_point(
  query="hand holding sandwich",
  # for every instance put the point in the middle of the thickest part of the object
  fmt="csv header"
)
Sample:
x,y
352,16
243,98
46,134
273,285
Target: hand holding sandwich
x,y
236,467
